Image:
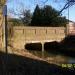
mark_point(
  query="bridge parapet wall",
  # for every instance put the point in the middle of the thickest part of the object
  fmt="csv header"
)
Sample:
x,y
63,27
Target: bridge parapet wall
x,y
22,34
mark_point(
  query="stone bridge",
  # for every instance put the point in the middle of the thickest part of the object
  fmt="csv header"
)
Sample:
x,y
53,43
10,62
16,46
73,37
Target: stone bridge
x,y
23,34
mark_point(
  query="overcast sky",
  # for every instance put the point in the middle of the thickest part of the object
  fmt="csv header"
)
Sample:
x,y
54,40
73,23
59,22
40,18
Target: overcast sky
x,y
18,5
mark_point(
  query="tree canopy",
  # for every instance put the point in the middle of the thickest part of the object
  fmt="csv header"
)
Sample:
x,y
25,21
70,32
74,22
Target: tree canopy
x,y
26,19
47,16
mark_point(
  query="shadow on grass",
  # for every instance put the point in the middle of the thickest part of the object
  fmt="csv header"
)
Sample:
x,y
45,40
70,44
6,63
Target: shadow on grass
x,y
19,65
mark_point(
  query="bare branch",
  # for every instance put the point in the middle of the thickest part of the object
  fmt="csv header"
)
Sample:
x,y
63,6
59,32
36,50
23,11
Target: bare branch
x,y
44,2
68,4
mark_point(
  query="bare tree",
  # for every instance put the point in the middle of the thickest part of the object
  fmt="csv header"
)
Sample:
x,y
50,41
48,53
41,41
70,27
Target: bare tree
x,y
68,4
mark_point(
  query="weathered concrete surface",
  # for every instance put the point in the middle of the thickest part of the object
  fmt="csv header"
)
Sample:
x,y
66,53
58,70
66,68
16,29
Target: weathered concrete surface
x,y
23,35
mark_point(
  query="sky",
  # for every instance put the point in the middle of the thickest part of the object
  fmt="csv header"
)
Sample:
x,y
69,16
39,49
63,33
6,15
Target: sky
x,y
17,6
